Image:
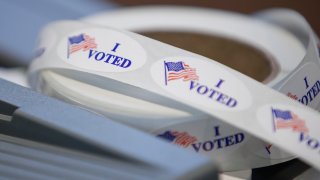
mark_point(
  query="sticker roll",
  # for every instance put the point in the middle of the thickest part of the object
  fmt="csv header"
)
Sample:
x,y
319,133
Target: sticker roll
x,y
185,98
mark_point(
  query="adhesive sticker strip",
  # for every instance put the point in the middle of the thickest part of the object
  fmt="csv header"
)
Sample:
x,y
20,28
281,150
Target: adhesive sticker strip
x,y
150,74
282,48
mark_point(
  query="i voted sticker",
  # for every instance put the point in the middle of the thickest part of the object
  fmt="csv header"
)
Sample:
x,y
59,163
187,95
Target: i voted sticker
x,y
103,50
289,122
213,138
307,78
202,83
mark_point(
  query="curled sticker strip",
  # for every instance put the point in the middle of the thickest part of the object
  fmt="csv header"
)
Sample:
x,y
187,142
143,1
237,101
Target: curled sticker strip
x,y
153,71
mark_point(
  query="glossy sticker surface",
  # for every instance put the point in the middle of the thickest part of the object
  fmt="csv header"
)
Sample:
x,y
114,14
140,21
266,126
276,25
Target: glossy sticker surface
x,y
103,50
202,83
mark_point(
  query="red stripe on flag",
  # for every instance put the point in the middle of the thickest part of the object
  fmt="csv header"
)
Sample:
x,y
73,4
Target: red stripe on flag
x,y
88,43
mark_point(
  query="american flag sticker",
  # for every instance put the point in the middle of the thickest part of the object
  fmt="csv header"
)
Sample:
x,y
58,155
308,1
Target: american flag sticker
x,y
179,70
80,42
284,119
183,139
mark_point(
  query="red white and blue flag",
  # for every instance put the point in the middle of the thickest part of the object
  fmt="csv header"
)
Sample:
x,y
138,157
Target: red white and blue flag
x,y
183,139
179,70
288,120
81,42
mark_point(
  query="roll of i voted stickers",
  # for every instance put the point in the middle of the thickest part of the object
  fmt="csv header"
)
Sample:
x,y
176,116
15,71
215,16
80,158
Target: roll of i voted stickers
x,y
188,99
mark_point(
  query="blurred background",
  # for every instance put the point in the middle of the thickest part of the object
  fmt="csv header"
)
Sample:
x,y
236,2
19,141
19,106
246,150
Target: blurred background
x,y
21,20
